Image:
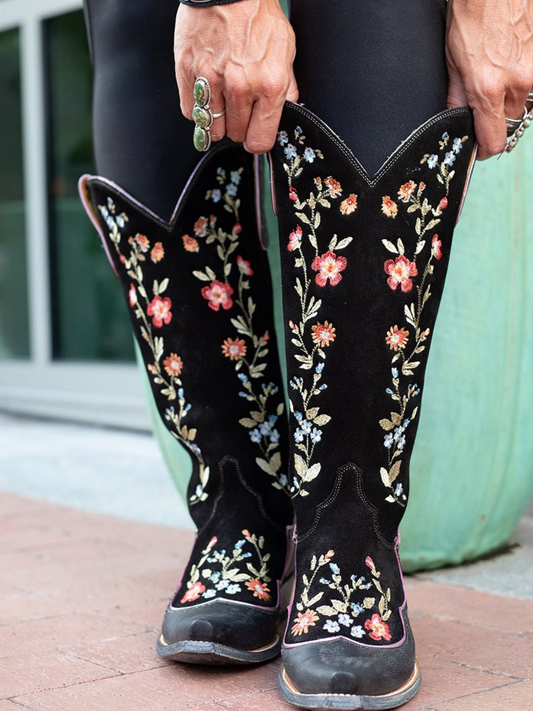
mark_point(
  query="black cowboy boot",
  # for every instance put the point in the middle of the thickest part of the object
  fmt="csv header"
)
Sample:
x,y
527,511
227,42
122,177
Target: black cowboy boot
x,y
199,296
363,265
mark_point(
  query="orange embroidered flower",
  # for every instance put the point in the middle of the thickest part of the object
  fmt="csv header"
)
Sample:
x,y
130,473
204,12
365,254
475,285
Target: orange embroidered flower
x,y
407,189
132,293
400,269
303,622
237,228
122,259
328,266
200,227
190,244
212,542
160,311
436,245
389,207
369,562
143,242
443,204
323,333
244,266
173,365
293,195
246,533
334,187
397,338
158,252
218,294
259,589
295,239
265,337
193,593
378,629
234,348
349,205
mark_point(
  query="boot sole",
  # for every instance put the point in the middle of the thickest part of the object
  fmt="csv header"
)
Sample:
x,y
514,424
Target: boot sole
x,y
350,702
196,652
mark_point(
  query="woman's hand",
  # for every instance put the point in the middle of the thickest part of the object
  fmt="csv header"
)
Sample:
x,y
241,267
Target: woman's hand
x,y
489,49
245,50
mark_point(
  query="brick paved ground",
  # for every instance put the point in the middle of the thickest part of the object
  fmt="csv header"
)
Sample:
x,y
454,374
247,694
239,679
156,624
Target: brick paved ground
x,y
82,596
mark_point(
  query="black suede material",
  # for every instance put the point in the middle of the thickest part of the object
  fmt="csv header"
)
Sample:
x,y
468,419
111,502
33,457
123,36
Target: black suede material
x,y
359,316
199,296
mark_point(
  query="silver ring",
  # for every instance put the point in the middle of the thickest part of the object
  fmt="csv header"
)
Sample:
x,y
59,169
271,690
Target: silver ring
x,y
217,115
202,115
518,127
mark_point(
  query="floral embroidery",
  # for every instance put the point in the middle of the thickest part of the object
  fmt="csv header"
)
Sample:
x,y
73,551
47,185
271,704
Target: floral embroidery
x,y
247,349
220,572
407,342
389,207
346,603
158,308
310,342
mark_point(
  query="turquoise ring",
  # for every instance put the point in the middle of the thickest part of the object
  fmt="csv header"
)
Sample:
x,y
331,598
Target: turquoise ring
x,y
202,115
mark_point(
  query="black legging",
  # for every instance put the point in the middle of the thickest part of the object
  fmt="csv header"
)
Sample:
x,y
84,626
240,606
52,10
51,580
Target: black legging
x,y
372,70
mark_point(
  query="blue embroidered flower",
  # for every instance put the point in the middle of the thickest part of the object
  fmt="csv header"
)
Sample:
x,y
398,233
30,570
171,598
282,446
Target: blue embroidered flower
x,y
233,589
209,593
181,393
345,620
231,189
397,433
215,577
283,479
188,407
445,135
298,435
324,581
235,177
357,608
298,416
265,428
216,195
255,436
388,440
243,394
272,419
198,491
120,221
401,443
220,171
170,413
398,491
457,145
319,368
394,372
316,435
283,138
331,626
323,386
449,158
290,151
298,130
306,427
242,377
274,437
222,585
389,391
432,161
309,155
335,568
240,544
406,423
357,632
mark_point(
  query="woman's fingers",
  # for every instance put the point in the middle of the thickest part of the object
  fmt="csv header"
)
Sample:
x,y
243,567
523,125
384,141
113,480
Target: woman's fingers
x,y
266,114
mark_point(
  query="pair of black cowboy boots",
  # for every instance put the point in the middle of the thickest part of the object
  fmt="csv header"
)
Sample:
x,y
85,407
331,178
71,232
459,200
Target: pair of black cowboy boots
x,y
363,267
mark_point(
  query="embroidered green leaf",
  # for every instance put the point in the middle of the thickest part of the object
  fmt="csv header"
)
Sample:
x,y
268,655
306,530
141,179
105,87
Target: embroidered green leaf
x,y
344,243
311,413
400,246
312,239
315,599
420,246
280,409
326,610
299,465
227,269
303,492
381,606
369,602
303,217
394,471
201,276
305,580
388,594
418,226
387,425
247,422
317,221
414,413
312,472
385,476
192,434
321,420
390,500
163,286
298,287
389,246
396,418
265,466
258,416
313,562
275,461
333,243
339,605
386,616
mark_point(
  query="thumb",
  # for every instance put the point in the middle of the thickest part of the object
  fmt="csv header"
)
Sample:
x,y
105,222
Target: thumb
x,y
456,90
292,93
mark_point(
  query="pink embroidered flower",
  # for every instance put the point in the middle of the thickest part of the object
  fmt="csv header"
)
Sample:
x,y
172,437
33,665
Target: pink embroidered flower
x,y
443,204
143,242
334,187
234,348
193,593
369,562
122,259
328,266
400,269
218,294
329,554
349,205
212,542
246,533
133,295
265,337
388,207
190,244
323,333
160,311
295,239
436,245
237,228
397,338
173,365
378,629
259,589
244,266
200,227
303,622
407,189
158,252
293,195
